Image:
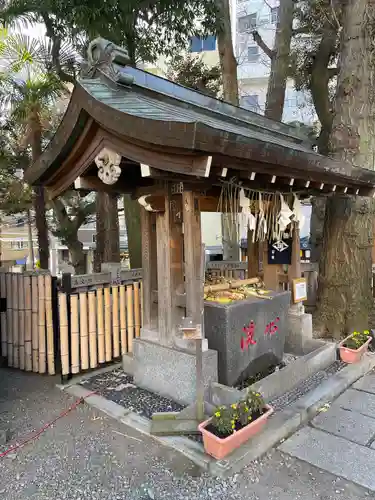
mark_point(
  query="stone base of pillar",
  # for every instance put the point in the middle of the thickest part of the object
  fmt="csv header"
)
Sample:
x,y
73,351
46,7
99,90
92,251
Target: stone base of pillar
x,y
189,345
178,342
300,332
171,372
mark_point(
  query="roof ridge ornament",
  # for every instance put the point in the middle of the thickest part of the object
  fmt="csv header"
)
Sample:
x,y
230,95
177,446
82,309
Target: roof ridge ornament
x,y
109,58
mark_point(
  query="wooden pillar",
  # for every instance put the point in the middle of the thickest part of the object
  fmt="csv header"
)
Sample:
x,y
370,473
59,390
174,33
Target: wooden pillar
x,y
193,249
177,259
252,256
149,266
164,275
294,270
230,233
146,266
270,271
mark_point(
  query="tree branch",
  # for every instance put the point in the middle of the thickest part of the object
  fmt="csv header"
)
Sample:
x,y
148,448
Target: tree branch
x,y
319,81
83,213
55,51
61,214
262,44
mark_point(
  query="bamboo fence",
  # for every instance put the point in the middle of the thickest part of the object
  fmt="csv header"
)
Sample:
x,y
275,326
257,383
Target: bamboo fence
x,y
103,324
26,321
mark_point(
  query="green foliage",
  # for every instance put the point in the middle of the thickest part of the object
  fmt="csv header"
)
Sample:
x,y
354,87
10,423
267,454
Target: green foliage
x,y
15,195
229,419
38,54
29,101
148,28
243,413
357,339
28,88
254,401
190,70
224,420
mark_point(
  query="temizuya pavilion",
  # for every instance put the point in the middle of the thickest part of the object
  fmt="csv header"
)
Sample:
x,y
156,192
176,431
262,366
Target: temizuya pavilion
x,y
172,148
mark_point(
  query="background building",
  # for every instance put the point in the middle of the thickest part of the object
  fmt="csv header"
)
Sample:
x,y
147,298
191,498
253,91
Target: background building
x,y
254,66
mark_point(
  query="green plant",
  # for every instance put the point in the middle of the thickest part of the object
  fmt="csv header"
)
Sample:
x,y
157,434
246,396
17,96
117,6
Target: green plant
x,y
228,419
357,339
244,413
224,420
254,401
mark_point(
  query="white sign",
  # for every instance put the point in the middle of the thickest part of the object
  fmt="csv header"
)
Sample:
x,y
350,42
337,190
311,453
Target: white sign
x,y
299,290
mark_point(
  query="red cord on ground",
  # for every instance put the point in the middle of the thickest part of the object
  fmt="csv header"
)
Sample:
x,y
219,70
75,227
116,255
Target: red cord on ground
x,y
46,426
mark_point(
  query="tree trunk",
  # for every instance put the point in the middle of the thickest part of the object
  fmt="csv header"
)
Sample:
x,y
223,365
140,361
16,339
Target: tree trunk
x,y
39,198
319,84
107,230
100,231
280,62
77,255
112,242
30,259
228,61
133,224
319,87
69,237
344,293
318,209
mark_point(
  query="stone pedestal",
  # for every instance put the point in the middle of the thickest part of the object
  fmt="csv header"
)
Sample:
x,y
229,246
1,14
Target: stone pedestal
x,y
171,372
300,332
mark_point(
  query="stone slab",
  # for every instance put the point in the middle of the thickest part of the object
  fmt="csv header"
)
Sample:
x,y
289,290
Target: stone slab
x,y
357,401
333,454
171,372
347,424
366,384
249,335
282,381
289,377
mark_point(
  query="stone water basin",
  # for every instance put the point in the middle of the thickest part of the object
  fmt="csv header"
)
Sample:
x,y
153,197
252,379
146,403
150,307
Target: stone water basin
x,y
249,335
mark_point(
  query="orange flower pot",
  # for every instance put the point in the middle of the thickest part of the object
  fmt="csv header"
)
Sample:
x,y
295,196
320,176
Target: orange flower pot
x,y
220,448
351,356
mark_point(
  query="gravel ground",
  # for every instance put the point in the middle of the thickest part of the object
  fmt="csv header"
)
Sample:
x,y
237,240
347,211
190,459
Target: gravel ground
x,y
306,385
88,456
117,386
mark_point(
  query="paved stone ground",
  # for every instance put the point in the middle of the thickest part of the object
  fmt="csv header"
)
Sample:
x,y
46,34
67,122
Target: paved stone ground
x,y
87,456
342,439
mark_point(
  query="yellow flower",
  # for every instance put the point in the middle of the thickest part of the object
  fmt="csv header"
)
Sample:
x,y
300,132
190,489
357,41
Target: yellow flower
x,y
257,394
217,414
366,332
234,406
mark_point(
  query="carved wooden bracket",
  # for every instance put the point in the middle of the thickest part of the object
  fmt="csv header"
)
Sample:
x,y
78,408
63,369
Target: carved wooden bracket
x,y
108,162
148,202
